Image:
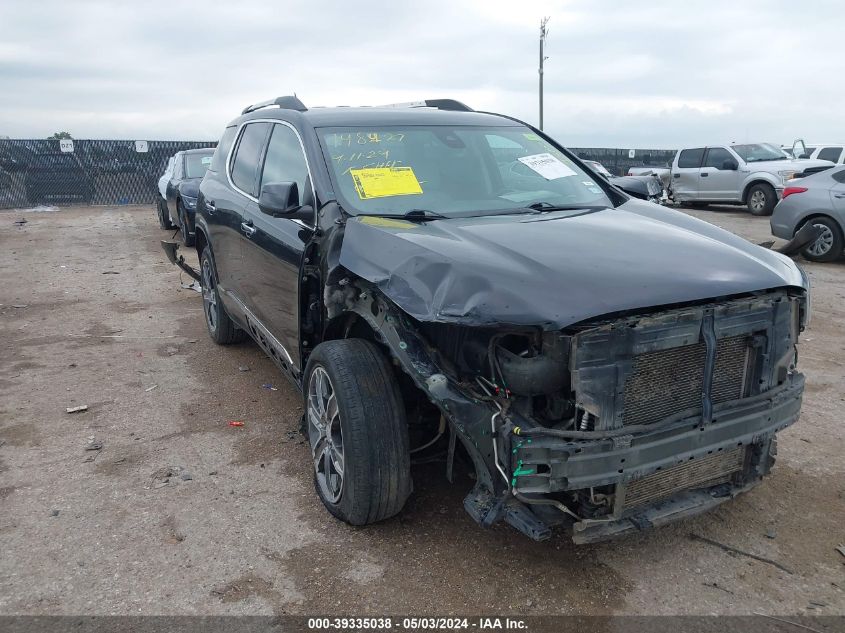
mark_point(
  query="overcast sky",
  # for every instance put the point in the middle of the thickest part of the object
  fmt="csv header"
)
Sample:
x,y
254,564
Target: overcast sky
x,y
647,74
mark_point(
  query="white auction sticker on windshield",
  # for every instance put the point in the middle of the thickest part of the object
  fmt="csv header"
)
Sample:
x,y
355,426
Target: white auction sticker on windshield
x,y
548,166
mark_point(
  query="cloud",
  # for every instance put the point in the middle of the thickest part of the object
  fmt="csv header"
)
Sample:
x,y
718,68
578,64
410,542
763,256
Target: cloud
x,y
619,74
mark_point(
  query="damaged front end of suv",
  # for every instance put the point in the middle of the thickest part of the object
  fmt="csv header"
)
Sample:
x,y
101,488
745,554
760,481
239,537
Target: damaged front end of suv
x,y
611,422
442,281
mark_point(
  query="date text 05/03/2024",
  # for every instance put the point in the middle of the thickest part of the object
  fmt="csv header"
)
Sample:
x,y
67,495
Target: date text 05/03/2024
x,y
417,624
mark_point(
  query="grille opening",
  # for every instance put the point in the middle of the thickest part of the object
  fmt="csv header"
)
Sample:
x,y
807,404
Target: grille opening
x,y
703,472
666,382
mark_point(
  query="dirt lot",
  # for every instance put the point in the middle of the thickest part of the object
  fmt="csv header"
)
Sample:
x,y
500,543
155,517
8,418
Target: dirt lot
x,y
181,513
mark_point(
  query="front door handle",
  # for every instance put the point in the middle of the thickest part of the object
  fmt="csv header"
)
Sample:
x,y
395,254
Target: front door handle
x,y
248,229
704,174
676,175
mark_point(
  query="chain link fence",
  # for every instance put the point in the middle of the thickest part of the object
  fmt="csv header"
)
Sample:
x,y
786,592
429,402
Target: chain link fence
x,y
618,161
54,172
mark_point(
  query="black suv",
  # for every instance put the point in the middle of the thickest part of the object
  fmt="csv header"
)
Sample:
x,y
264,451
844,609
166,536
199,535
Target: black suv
x,y
440,281
179,205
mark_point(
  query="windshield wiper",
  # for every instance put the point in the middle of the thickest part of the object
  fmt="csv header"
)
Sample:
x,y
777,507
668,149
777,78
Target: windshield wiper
x,y
414,215
548,206
423,214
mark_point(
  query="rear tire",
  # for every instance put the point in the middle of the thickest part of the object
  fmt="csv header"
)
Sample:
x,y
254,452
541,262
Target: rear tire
x,y
830,244
761,199
163,216
187,238
221,328
357,431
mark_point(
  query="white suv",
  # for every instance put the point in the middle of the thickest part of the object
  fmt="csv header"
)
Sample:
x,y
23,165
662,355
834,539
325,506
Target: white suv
x,y
753,174
823,151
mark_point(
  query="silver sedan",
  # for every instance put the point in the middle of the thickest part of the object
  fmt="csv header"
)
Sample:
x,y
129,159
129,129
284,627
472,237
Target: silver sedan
x,y
818,200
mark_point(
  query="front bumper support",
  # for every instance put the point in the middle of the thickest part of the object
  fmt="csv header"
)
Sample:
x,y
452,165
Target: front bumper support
x,y
558,465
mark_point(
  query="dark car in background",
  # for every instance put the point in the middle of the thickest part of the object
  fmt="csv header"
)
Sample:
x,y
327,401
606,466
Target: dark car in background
x,y
180,201
648,187
58,177
446,283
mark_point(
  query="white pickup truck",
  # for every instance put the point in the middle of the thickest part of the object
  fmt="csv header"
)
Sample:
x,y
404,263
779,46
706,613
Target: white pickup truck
x,y
753,174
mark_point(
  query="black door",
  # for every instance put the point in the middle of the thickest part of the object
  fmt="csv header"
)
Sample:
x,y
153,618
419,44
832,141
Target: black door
x,y
273,247
227,196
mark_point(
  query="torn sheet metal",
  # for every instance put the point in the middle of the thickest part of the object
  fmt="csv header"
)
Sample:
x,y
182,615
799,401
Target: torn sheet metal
x,y
558,268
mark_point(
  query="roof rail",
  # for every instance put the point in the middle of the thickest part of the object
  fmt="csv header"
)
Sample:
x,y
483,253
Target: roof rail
x,y
286,103
440,104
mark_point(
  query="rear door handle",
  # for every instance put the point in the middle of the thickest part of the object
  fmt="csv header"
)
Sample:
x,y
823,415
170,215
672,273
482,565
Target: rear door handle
x,y
209,205
248,229
704,174
839,195
676,175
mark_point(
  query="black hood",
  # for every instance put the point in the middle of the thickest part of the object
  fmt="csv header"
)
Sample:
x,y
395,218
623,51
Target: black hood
x,y
190,187
556,269
644,186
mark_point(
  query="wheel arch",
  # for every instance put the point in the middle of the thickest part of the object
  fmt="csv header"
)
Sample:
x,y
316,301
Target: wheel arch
x,y
755,180
813,215
200,239
350,325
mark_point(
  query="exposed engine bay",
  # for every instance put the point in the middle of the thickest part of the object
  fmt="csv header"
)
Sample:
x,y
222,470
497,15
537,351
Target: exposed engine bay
x,y
613,425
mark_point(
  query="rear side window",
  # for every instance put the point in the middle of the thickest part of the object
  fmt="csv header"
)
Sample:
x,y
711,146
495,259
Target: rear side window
x,y
247,157
716,157
691,157
839,176
830,153
223,147
285,161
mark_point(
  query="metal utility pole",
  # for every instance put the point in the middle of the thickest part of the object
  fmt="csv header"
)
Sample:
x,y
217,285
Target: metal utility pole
x,y
543,32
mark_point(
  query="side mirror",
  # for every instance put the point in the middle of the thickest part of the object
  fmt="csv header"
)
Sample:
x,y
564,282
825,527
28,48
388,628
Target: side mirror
x,y
281,200
730,165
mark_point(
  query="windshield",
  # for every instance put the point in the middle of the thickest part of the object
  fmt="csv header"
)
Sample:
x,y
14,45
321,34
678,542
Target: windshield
x,y
197,164
601,169
757,152
452,170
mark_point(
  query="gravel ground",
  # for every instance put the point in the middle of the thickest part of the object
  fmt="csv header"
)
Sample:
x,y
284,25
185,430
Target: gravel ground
x,y
181,513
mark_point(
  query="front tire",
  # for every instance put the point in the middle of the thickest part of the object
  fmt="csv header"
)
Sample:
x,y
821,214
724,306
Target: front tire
x,y
830,244
357,431
163,216
220,327
761,199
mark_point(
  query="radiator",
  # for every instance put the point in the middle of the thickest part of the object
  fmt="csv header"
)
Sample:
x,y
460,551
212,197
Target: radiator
x,y
669,381
701,472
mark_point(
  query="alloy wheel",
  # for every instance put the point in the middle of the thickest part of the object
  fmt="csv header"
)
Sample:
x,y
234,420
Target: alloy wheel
x,y
209,295
823,244
758,200
325,435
